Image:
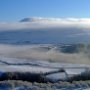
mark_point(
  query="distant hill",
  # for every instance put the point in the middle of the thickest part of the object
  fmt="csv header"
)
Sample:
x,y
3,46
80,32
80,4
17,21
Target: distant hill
x,y
26,20
35,19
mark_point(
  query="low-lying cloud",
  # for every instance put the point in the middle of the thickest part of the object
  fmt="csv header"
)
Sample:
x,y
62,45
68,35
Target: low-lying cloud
x,y
40,52
37,53
42,23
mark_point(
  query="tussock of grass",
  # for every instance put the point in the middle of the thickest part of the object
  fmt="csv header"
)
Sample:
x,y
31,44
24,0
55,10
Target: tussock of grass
x,y
31,77
83,76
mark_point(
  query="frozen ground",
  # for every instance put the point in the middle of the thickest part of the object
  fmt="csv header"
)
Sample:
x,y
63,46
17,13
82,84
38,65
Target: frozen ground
x,y
39,66
20,85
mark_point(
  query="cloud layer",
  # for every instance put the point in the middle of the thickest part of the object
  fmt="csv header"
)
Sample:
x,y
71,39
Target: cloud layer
x,y
41,52
40,23
78,26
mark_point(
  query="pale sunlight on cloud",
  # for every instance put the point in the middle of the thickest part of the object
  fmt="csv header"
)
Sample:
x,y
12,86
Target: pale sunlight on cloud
x,y
41,23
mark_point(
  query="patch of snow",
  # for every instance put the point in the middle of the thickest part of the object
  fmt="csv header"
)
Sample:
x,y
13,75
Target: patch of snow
x,y
24,68
57,76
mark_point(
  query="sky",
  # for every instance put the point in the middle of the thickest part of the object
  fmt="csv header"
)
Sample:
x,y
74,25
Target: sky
x,y
15,10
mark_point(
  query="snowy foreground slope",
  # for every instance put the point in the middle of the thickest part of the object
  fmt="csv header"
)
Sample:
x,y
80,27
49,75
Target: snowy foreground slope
x,y
18,64
37,67
20,85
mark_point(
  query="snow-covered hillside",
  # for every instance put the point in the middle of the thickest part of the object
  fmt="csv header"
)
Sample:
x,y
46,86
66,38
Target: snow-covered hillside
x,y
24,67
